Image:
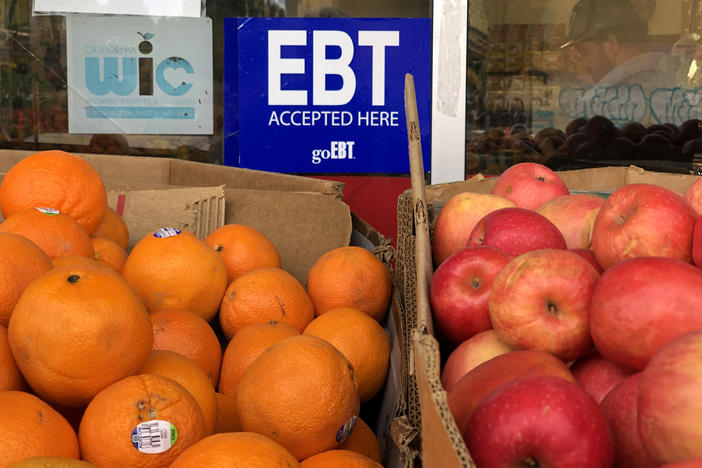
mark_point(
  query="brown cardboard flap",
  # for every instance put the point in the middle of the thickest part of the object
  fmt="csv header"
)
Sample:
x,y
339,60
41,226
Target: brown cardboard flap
x,y
600,179
134,169
197,209
195,173
163,170
442,443
419,201
302,226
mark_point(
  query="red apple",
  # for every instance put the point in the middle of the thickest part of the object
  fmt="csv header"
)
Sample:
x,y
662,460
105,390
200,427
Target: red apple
x,y
539,421
697,242
470,354
643,220
483,379
669,404
529,185
574,216
693,196
459,292
619,407
596,375
692,463
516,231
457,218
541,300
589,255
641,304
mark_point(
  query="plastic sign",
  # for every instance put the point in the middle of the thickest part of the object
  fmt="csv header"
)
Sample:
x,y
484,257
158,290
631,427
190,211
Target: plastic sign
x,y
192,8
134,75
324,95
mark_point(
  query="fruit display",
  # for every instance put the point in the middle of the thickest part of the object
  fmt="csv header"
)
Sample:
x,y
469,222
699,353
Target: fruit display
x,y
569,324
587,142
178,351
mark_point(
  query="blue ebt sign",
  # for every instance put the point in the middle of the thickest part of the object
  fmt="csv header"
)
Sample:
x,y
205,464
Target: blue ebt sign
x,y
324,95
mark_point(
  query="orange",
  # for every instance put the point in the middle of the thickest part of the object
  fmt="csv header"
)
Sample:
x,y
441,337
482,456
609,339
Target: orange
x,y
21,263
264,295
301,392
52,462
10,375
245,347
340,458
58,180
173,269
121,424
350,277
187,373
76,330
240,449
364,441
361,340
55,233
188,334
243,249
108,252
79,260
30,428
227,419
113,227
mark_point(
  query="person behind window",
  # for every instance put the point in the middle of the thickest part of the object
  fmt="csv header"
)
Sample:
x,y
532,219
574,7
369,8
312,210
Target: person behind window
x,y
611,39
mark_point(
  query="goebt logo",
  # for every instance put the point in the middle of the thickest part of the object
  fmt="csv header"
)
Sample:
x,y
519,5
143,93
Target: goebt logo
x,y
136,72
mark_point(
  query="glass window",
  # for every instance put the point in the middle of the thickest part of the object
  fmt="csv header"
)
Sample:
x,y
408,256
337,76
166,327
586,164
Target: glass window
x,y
33,76
583,83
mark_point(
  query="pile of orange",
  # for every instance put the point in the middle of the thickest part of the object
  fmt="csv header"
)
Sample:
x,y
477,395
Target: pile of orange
x,y
174,350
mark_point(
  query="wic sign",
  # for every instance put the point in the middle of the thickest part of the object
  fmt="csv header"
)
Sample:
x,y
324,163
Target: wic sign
x,y
321,95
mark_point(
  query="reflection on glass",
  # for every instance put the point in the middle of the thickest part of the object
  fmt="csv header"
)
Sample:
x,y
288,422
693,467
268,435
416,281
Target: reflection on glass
x,y
33,98
580,83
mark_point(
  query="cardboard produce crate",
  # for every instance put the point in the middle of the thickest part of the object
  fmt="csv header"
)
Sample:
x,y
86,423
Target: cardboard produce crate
x,y
440,441
303,217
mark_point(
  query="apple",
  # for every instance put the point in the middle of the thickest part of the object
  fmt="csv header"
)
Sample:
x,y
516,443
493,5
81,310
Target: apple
x,y
484,378
457,218
640,304
588,255
697,242
459,292
643,220
669,403
691,463
470,354
541,300
529,185
539,421
516,231
693,196
619,407
573,215
596,375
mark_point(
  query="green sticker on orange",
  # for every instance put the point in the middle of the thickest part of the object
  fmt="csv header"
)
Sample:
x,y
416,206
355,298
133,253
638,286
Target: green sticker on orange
x,y
48,211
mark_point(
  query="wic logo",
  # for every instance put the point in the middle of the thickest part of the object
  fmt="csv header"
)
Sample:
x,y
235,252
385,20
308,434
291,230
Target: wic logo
x,y
137,70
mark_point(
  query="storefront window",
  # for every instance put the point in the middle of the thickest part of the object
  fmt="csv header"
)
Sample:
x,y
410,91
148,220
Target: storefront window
x,y
583,83
33,76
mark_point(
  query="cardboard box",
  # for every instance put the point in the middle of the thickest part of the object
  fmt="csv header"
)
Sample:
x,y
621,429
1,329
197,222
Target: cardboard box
x,y
304,217
440,441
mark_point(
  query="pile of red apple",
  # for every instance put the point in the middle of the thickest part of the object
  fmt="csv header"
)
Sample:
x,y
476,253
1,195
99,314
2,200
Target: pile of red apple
x,y
571,324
